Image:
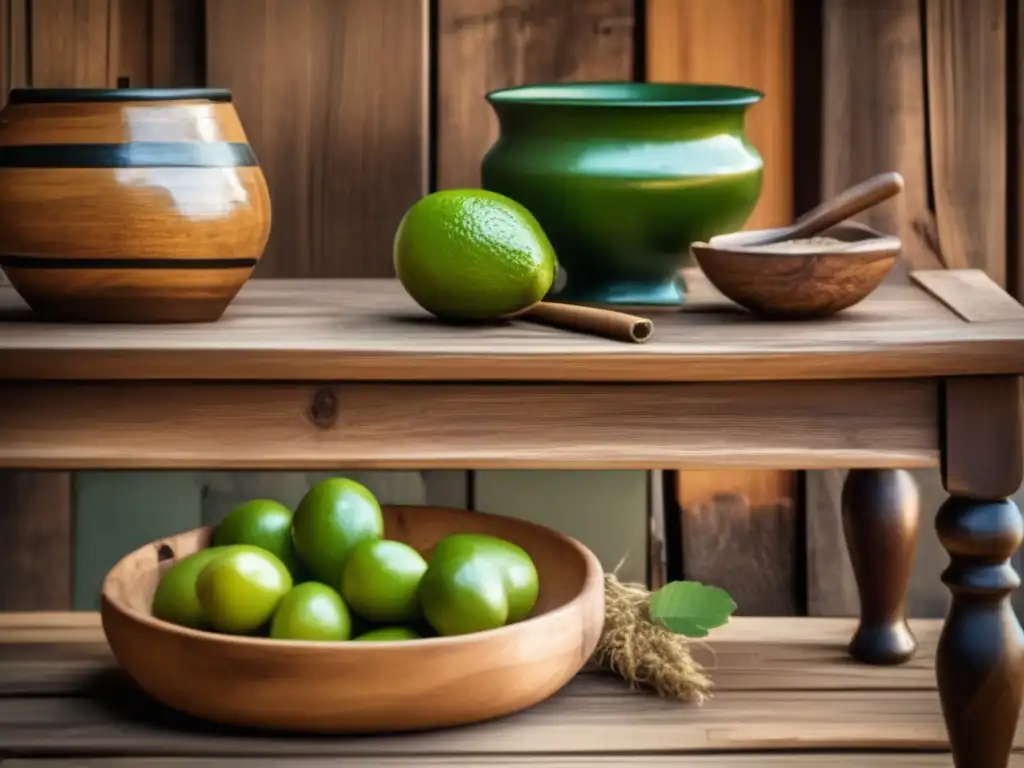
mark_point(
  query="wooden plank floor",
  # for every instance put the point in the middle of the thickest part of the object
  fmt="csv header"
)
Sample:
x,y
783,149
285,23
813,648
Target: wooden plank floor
x,y
786,696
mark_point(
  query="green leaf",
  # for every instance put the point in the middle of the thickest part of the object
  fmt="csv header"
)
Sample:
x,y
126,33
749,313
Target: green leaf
x,y
691,608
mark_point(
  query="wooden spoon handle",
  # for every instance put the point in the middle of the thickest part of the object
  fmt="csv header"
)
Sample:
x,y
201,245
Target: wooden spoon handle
x,y
849,203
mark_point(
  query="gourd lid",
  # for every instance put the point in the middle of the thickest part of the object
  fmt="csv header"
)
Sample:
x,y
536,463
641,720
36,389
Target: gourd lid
x,y
80,95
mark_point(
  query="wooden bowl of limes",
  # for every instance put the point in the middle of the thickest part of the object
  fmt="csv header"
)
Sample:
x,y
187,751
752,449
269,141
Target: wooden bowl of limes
x,y
363,687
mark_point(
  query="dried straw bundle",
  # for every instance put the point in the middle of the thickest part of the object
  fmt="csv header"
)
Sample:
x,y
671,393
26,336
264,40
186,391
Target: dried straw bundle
x,y
643,652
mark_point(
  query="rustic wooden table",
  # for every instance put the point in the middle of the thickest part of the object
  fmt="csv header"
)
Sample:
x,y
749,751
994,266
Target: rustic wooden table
x,y
322,374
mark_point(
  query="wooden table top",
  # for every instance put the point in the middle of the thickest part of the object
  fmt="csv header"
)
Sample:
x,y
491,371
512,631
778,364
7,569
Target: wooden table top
x,y
785,695
944,323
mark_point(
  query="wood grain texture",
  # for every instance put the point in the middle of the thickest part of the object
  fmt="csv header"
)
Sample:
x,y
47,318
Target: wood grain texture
x,y
483,45
1015,179
35,523
873,70
782,687
751,552
392,426
983,437
971,293
966,58
739,42
54,654
831,584
160,43
329,330
13,62
73,43
333,95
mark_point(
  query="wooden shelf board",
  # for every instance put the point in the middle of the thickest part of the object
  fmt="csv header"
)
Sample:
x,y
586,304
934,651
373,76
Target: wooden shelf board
x,y
785,691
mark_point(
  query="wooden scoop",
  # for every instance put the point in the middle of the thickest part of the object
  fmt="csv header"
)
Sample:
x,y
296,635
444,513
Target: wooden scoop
x,y
846,204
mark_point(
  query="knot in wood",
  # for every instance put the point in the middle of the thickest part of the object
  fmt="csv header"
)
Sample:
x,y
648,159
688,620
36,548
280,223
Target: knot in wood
x,y
323,411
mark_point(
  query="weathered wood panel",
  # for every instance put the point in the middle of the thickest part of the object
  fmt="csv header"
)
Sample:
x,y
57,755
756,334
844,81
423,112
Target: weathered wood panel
x,y
785,695
161,43
35,526
1015,68
739,42
333,95
743,532
905,86
739,517
487,44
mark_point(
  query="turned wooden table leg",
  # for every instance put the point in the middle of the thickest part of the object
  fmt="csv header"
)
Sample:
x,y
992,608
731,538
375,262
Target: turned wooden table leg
x,y
881,512
980,656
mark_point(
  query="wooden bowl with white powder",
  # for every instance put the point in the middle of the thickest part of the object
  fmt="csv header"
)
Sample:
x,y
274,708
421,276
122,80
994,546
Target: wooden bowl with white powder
x,y
799,279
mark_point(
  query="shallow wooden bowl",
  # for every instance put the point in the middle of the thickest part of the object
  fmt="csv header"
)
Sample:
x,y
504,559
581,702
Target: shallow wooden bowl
x,y
799,282
364,687
128,205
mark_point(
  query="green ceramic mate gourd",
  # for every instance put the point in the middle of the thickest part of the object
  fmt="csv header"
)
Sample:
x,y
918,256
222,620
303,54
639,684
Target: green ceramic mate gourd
x,y
624,176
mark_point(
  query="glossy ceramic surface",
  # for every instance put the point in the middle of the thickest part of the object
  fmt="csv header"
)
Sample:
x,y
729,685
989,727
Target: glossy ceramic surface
x,y
624,176
128,205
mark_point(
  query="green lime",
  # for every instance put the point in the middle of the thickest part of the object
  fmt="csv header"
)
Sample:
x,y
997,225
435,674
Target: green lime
x,y
311,611
263,523
388,634
380,580
477,582
175,599
333,517
461,593
240,589
517,569
471,254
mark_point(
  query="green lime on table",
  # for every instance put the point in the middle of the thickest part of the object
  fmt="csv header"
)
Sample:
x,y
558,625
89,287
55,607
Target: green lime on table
x,y
311,611
333,517
262,523
380,581
240,589
175,598
387,634
471,254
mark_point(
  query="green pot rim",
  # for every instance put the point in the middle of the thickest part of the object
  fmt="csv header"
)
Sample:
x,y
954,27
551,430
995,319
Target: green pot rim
x,y
627,95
